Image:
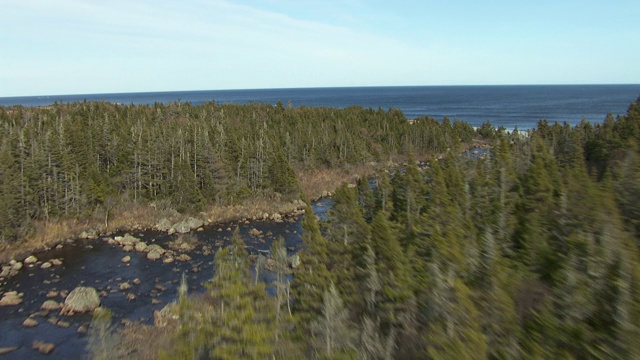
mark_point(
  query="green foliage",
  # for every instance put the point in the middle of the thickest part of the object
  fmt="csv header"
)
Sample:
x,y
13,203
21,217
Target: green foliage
x,y
530,253
234,321
66,160
333,338
103,341
313,277
282,177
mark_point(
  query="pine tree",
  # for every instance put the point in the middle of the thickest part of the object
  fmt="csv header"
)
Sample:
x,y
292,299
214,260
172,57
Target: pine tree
x,y
282,177
313,276
350,236
456,333
332,336
243,314
393,269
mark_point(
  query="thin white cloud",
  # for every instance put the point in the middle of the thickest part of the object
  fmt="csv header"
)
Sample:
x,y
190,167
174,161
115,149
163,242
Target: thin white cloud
x,y
72,46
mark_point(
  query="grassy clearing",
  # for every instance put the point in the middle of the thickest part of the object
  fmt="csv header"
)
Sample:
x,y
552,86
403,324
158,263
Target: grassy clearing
x,y
314,183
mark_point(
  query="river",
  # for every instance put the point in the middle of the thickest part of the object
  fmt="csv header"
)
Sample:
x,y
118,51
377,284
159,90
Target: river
x,y
98,264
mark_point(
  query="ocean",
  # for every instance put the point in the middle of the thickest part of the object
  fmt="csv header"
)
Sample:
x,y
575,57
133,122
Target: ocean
x,y
504,105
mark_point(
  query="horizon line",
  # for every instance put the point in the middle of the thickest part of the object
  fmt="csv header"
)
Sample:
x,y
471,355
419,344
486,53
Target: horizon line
x,y
311,87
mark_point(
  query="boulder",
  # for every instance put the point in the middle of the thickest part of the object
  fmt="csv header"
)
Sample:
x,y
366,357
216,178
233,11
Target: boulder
x,y
124,286
30,260
154,254
181,227
127,248
183,257
163,225
141,246
136,281
194,223
156,247
6,270
46,265
56,262
16,266
8,349
11,298
81,299
30,322
89,234
44,347
50,305
276,217
126,259
129,239
63,324
187,225
255,232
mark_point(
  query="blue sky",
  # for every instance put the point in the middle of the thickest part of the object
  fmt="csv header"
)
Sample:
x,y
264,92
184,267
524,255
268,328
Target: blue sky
x,y
79,47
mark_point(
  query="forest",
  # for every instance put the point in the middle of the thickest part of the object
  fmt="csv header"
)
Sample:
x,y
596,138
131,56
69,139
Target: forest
x,y
84,160
529,252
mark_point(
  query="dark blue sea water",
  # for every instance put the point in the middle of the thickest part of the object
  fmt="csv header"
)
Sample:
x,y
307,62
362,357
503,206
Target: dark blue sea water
x,y
508,105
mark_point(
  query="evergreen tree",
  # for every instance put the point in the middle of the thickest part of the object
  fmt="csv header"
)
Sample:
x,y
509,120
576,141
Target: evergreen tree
x,y
332,336
313,276
350,238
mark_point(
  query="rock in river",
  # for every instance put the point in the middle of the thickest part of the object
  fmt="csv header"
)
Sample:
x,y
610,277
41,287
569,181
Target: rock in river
x,y
126,240
43,347
81,299
6,350
30,322
164,225
124,286
11,298
185,226
50,305
141,246
155,252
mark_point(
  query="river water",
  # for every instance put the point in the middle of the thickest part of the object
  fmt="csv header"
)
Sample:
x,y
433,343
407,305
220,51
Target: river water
x,y
98,264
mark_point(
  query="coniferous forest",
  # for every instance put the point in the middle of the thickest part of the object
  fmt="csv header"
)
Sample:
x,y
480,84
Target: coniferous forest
x,y
80,160
528,252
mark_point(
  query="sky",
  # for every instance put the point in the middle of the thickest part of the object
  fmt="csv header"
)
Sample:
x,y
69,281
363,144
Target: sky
x,y
59,47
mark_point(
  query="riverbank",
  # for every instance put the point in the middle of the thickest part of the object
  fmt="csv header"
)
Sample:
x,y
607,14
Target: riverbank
x,y
132,216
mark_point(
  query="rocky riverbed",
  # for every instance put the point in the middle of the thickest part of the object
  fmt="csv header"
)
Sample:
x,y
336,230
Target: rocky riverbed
x,y
133,273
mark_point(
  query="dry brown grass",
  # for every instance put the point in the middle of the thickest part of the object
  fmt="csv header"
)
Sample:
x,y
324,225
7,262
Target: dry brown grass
x,y
145,342
314,182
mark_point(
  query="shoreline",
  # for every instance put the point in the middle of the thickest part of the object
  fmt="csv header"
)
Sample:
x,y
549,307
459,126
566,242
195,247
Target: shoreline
x,y
138,217
314,184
